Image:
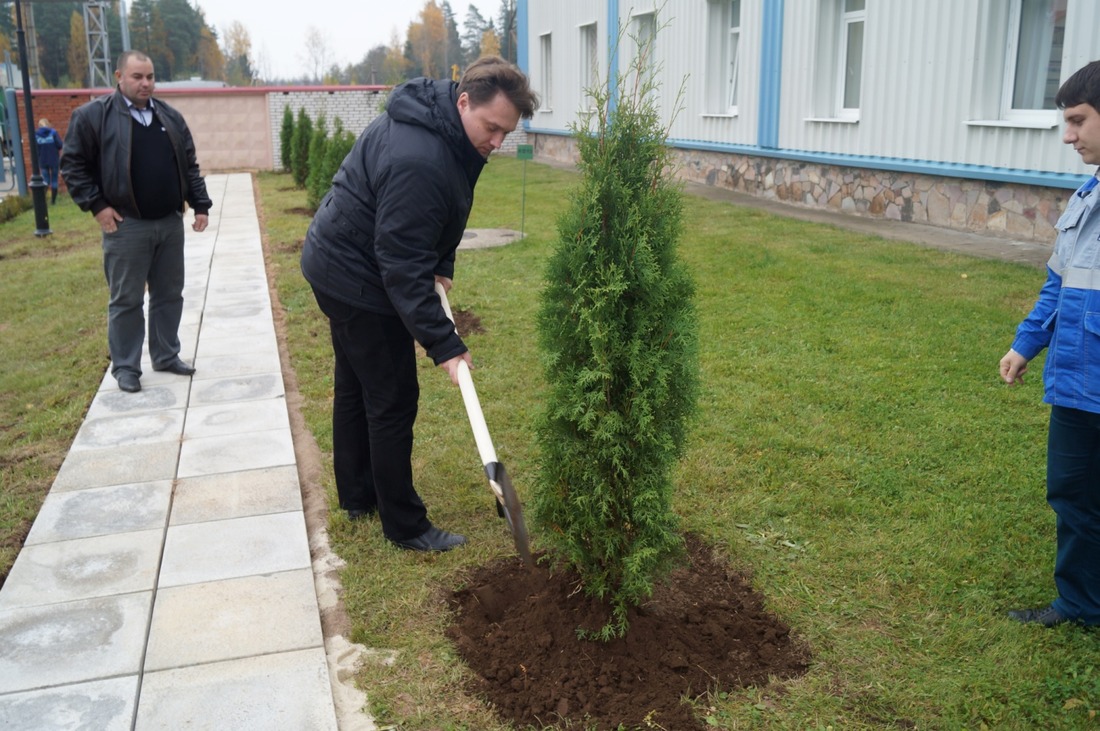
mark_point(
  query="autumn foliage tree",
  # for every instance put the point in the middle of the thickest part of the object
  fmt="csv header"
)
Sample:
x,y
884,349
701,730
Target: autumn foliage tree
x,y
237,46
425,42
78,54
618,334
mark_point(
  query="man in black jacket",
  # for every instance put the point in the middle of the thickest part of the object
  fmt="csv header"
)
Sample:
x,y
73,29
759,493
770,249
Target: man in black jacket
x,y
120,151
383,236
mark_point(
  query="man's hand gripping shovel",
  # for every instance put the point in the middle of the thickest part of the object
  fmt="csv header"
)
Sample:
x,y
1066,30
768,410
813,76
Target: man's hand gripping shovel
x,y
499,481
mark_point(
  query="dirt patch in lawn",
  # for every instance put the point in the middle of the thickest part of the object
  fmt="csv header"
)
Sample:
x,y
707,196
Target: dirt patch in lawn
x,y
704,630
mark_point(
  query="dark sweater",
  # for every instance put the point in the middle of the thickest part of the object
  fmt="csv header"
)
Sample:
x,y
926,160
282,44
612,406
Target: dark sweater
x,y
156,190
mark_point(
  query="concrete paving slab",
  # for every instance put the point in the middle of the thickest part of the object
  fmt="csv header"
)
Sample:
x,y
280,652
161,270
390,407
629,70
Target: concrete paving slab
x,y
154,379
129,430
101,705
112,402
486,238
218,391
234,365
59,644
237,417
227,549
99,511
234,453
100,467
289,690
83,568
236,495
249,288
237,310
225,620
237,346
244,327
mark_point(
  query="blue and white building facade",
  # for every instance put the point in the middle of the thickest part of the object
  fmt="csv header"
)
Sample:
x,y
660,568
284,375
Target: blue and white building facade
x,y
931,111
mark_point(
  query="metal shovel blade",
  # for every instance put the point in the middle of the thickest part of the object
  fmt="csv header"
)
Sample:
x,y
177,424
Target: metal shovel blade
x,y
513,512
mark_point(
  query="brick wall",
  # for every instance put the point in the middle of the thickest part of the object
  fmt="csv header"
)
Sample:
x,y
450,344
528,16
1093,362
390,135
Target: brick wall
x,y
356,107
54,106
236,128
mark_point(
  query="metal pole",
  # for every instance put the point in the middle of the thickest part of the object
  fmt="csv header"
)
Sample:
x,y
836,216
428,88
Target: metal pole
x,y
37,186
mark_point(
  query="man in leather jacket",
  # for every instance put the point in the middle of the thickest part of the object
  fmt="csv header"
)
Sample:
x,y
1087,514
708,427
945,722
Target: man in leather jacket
x,y
117,150
382,237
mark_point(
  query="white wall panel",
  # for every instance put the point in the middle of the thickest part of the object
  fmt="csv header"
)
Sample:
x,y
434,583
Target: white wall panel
x,y
927,72
563,20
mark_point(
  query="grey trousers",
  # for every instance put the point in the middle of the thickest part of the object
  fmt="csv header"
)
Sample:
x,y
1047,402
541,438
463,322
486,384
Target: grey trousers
x,y
144,252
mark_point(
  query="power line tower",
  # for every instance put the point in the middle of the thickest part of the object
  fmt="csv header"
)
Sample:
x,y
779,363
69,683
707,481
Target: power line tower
x,y
99,49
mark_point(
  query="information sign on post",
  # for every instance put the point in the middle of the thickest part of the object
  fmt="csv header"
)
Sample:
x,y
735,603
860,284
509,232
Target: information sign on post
x,y
525,153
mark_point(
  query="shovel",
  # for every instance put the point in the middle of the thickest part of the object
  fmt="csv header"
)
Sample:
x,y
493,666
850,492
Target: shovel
x,y
499,481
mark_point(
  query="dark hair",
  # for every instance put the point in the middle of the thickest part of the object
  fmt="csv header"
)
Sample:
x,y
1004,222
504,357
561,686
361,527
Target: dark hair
x,y
492,75
1081,88
125,56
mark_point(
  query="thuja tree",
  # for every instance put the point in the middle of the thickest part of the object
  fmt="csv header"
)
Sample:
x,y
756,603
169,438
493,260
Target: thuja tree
x,y
299,148
316,185
286,136
617,330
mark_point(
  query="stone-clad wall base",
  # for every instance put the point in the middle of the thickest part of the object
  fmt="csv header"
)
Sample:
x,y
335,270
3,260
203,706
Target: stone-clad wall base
x,y
1018,211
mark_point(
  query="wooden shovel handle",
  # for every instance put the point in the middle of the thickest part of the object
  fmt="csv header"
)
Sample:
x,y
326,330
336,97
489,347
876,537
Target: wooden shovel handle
x,y
469,396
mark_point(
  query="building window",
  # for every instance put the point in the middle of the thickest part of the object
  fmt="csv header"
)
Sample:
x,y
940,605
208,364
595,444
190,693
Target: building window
x,y
590,63
547,79
850,63
724,40
1033,58
645,36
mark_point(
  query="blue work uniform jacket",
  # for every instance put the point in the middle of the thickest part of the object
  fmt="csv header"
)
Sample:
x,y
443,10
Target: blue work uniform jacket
x,y
1066,317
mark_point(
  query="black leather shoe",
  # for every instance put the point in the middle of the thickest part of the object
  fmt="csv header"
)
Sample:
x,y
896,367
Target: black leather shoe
x,y
1048,616
128,382
360,514
433,539
178,367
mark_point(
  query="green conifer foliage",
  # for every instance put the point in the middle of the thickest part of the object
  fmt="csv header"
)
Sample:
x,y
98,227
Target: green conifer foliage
x,y
316,184
338,146
286,137
299,153
618,333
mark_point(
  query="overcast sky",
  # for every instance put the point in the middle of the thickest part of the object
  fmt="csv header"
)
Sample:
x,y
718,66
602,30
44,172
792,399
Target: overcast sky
x,y
351,27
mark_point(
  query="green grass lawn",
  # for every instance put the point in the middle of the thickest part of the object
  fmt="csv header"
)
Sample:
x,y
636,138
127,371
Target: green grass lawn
x,y
53,354
854,451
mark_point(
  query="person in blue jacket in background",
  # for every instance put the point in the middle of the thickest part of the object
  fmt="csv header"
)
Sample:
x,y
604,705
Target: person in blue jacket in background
x,y
49,146
1066,320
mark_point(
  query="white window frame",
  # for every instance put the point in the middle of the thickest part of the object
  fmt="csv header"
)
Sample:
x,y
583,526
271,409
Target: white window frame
x,y
645,34
590,63
723,58
546,72
1016,20
848,19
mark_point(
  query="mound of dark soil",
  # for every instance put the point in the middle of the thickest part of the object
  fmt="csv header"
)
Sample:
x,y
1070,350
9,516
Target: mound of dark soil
x,y
704,630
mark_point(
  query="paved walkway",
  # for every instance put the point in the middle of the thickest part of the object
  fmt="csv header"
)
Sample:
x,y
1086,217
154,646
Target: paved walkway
x,y
167,582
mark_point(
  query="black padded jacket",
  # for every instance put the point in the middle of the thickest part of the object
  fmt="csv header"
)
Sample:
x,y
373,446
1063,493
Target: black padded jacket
x,y
396,214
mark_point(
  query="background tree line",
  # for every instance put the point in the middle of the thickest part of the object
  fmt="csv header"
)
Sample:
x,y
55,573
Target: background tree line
x,y
189,48
182,44
433,47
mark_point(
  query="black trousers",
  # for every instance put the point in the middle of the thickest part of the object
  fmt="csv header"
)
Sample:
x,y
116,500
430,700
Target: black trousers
x,y
374,404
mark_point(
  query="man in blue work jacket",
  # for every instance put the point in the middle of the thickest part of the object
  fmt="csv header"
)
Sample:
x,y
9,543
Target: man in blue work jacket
x,y
1066,320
